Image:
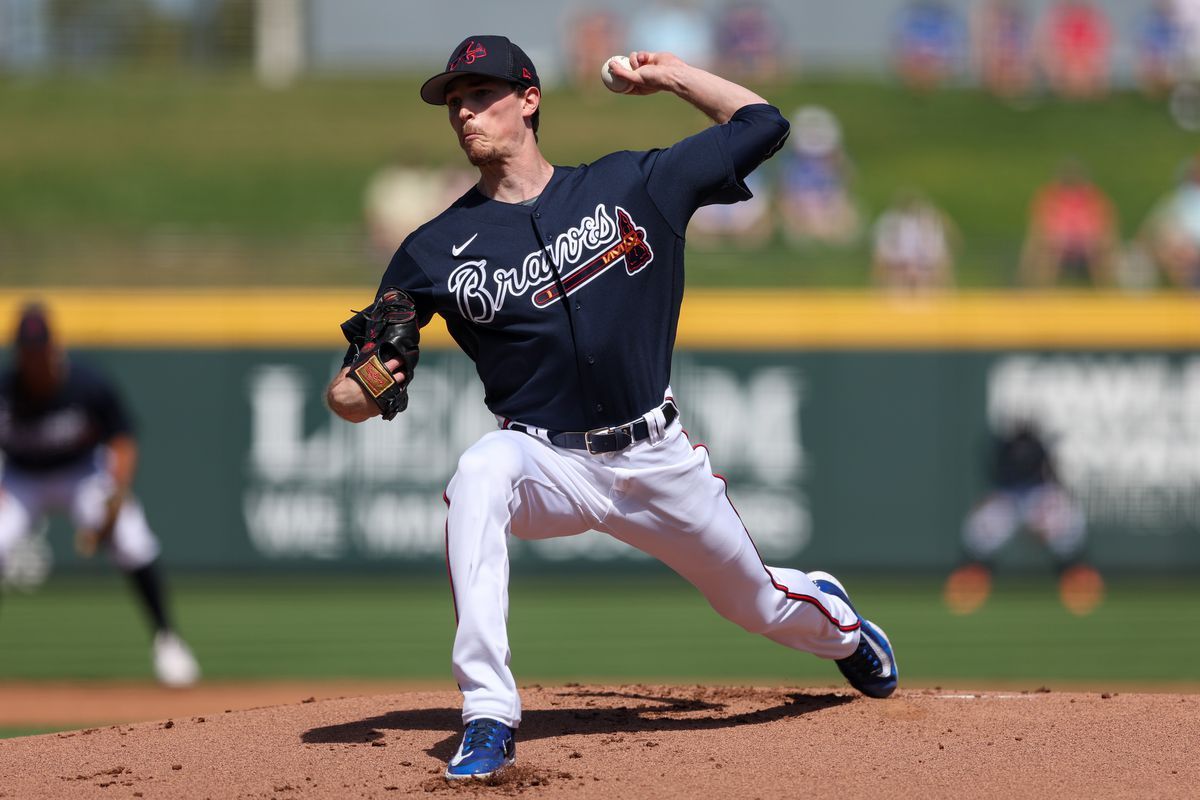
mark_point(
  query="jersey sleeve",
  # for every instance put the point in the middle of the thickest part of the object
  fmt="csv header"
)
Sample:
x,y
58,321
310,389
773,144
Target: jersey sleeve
x,y
404,273
711,166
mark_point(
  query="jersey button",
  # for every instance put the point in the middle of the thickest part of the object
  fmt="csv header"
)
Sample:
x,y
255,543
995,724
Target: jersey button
x,y
537,215
578,306
599,406
591,359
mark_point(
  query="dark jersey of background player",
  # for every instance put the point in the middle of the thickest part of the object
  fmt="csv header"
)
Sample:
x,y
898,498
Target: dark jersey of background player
x,y
62,430
1021,461
608,237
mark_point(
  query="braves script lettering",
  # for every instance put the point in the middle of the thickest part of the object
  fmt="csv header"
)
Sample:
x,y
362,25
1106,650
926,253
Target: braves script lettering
x,y
598,242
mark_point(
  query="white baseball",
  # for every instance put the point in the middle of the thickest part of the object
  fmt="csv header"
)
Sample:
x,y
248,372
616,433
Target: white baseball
x,y
616,83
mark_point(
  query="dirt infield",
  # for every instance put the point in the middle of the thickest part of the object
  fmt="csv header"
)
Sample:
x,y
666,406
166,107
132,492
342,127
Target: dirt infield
x,y
643,741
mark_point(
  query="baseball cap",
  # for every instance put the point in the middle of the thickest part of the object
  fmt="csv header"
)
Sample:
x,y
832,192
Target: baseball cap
x,y
33,327
493,56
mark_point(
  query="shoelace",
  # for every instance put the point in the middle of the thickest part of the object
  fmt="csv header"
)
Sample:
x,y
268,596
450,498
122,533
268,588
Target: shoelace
x,y
484,733
864,658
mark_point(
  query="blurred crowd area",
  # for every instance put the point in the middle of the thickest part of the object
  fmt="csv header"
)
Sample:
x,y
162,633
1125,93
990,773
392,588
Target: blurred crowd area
x,y
1004,45
808,198
805,197
1010,47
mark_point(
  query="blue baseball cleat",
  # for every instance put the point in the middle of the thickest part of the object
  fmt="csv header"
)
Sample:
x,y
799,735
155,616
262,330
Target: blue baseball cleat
x,y
872,667
487,746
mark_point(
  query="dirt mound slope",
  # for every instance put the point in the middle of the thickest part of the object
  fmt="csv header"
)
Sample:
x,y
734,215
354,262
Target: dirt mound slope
x,y
643,741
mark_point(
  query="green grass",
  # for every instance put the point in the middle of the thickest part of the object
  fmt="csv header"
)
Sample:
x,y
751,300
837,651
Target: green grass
x,y
603,627
105,176
12,733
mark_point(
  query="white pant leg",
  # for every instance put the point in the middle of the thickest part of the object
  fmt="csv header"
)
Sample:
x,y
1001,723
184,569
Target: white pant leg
x,y
133,544
16,514
669,504
81,492
1053,515
507,482
990,525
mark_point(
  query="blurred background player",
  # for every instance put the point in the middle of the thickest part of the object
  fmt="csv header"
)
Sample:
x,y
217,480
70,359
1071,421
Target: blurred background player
x,y
592,35
745,225
1003,48
815,204
1026,493
1073,236
1075,49
1171,232
749,41
913,246
69,446
929,44
1161,49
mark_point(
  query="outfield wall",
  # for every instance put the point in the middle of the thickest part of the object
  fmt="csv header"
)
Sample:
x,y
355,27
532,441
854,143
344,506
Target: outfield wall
x,y
852,428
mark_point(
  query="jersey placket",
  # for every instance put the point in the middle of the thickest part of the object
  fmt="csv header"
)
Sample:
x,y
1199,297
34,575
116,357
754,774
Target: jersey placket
x,y
573,308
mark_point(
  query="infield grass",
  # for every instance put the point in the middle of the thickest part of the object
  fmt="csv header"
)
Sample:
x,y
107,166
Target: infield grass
x,y
600,627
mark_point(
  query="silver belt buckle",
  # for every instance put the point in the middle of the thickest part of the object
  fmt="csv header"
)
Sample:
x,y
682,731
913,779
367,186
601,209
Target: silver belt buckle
x,y
587,439
587,436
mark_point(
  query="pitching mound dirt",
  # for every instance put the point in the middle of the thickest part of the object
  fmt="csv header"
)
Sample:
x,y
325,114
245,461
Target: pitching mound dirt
x,y
643,742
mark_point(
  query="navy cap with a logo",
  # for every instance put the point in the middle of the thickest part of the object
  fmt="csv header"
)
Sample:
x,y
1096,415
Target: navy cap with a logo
x,y
493,56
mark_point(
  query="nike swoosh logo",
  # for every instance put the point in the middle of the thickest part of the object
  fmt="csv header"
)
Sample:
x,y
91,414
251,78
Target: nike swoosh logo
x,y
458,758
457,250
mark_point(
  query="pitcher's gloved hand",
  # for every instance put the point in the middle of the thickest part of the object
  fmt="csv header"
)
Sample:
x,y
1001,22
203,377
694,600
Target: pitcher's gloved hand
x,y
387,330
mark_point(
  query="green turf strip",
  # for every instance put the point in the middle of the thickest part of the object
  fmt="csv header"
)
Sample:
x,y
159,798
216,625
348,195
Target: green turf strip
x,y
601,627
14,732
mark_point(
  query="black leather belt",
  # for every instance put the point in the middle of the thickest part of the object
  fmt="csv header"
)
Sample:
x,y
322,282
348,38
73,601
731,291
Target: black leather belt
x,y
604,440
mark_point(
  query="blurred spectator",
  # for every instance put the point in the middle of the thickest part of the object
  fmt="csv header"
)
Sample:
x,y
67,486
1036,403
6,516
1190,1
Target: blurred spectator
x,y
677,26
1002,47
592,38
747,224
1025,493
399,199
1160,48
814,198
1075,43
1171,232
913,246
1072,234
929,44
749,41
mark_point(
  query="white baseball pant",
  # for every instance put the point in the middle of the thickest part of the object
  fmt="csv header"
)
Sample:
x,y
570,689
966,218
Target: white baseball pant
x,y
660,496
80,492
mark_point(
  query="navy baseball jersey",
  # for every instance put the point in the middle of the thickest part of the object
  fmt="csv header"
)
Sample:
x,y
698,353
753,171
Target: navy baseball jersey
x,y
568,305
64,429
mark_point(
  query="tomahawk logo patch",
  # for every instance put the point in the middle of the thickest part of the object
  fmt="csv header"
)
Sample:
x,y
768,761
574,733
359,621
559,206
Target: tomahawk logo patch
x,y
581,254
470,53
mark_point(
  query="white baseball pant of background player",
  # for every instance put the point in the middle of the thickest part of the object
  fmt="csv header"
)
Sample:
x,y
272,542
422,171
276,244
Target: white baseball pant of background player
x,y
81,492
660,496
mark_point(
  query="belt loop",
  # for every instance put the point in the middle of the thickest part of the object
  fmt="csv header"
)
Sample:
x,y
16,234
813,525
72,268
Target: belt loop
x,y
656,424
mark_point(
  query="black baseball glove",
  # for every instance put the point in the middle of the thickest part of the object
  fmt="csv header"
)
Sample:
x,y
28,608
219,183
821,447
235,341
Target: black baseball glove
x,y
387,330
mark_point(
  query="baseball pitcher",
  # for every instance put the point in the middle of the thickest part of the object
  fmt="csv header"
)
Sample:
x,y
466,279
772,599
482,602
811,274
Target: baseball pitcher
x,y
563,285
